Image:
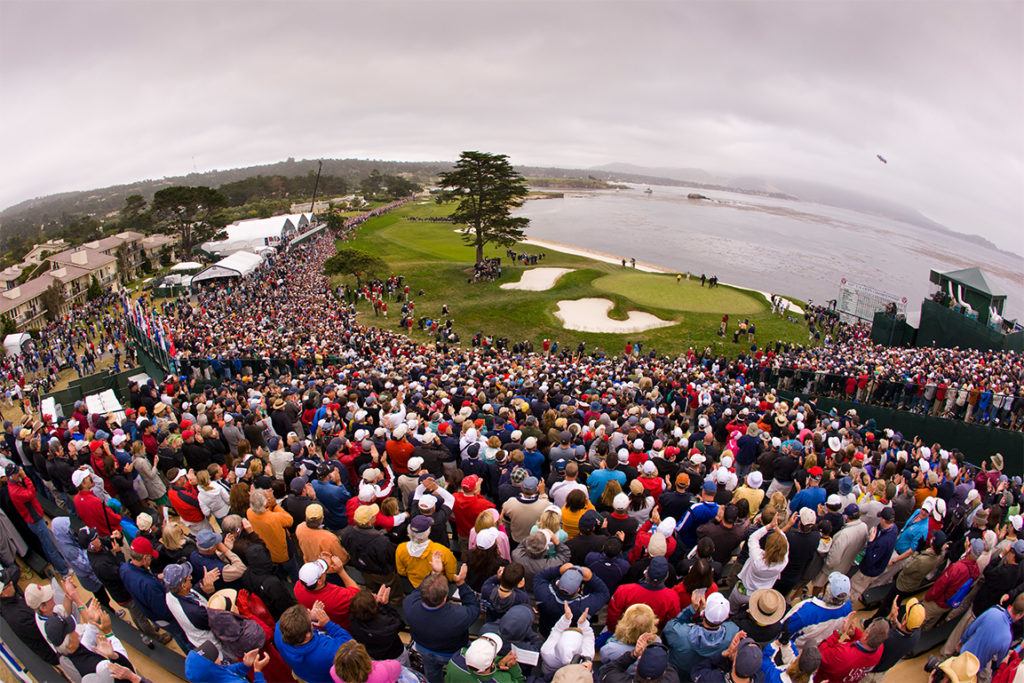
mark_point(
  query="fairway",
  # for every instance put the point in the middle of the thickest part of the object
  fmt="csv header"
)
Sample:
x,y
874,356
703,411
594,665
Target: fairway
x,y
662,291
433,258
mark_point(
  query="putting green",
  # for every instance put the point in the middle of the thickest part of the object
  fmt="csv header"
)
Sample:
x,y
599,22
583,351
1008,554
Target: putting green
x,y
662,291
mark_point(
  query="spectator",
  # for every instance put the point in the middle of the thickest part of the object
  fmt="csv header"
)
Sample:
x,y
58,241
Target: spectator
x,y
308,641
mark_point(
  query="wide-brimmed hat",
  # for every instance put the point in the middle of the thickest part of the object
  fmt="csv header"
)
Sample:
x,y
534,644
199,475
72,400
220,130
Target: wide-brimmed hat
x,y
997,461
962,669
767,606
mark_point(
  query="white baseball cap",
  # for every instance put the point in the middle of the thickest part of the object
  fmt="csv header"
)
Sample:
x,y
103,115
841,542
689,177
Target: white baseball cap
x,y
311,572
620,501
483,651
427,501
78,476
716,610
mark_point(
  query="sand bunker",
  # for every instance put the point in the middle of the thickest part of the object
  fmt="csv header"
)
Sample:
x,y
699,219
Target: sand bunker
x,y
538,279
591,315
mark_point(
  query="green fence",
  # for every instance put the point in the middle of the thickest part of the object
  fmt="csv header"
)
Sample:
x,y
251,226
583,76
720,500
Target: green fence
x,y
93,384
157,362
977,442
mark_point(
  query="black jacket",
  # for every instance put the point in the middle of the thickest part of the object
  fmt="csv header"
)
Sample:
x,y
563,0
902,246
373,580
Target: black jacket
x,y
106,566
260,579
197,455
380,634
370,550
22,622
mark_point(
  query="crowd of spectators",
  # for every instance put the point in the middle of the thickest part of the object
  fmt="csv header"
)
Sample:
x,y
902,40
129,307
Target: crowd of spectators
x,y
392,511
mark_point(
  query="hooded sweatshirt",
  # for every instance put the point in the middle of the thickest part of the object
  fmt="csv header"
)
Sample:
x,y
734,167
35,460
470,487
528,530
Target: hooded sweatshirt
x,y
515,628
73,553
313,660
497,604
260,579
690,642
235,633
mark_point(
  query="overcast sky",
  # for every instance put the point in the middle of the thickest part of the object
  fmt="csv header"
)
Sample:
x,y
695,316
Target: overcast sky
x,y
98,93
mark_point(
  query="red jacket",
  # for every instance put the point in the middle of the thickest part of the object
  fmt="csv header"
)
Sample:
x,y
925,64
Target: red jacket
x,y
336,600
23,495
664,602
185,502
643,537
845,662
467,508
95,514
951,580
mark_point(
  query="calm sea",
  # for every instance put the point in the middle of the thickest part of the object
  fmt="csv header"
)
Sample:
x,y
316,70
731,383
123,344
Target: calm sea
x,y
796,248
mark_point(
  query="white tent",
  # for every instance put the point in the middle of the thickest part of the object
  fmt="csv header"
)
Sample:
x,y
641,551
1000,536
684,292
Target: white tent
x,y
238,264
186,266
253,234
13,342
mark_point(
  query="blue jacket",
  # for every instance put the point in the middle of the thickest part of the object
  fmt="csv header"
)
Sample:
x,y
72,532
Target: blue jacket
x,y
810,497
878,552
444,629
691,643
312,661
598,479
698,514
533,461
989,636
551,606
813,611
199,669
147,591
913,532
333,498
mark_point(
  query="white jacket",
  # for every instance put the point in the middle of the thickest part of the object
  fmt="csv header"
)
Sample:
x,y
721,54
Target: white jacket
x,y
756,573
215,501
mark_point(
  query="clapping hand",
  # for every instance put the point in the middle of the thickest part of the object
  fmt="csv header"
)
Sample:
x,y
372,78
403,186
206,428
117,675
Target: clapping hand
x,y
250,657
437,562
318,615
383,595
210,577
508,661
642,642
583,618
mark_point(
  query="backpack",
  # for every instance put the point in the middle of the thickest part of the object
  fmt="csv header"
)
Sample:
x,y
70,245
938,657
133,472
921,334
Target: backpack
x,y
960,594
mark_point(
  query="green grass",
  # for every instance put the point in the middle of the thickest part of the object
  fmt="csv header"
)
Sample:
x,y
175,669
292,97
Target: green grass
x,y
433,257
663,291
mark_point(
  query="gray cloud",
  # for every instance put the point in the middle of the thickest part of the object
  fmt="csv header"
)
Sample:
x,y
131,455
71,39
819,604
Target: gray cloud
x,y
107,92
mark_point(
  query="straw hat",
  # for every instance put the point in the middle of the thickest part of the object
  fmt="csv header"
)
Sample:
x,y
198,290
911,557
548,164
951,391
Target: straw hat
x,y
767,606
961,669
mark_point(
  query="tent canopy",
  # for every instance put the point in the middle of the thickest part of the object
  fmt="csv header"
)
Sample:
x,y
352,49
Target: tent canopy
x,y
186,266
13,342
252,234
238,264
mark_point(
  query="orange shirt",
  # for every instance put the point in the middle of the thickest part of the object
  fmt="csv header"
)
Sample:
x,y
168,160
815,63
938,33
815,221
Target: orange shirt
x,y
312,542
272,527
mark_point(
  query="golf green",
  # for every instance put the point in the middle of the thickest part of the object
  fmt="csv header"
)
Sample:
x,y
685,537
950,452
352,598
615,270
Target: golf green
x,y
664,292
433,258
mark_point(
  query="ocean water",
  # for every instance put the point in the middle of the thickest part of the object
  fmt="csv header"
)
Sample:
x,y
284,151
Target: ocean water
x,y
794,248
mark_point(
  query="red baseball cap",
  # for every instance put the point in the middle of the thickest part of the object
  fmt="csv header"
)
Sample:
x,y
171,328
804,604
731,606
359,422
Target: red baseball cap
x,y
815,471
142,545
470,482
187,434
